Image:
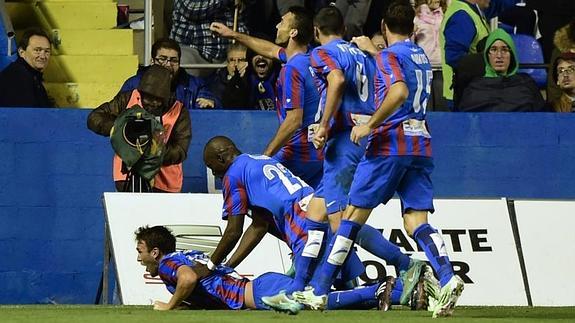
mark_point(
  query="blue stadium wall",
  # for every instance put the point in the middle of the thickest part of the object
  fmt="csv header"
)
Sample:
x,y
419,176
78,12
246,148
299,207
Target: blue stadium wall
x,y
53,172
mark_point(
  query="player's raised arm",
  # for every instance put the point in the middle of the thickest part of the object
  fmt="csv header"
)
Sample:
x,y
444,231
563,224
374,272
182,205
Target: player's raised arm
x,y
252,237
260,46
365,44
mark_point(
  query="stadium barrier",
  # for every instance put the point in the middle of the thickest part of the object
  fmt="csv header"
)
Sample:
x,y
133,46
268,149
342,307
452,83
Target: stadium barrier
x,y
478,236
53,172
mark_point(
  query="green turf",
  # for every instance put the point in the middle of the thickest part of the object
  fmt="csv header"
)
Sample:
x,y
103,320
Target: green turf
x,y
107,314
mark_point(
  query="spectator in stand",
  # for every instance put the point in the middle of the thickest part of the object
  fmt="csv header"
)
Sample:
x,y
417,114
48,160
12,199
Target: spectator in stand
x,y
501,89
564,76
247,82
463,27
186,88
497,7
355,15
564,42
21,81
230,85
191,21
262,73
553,15
429,14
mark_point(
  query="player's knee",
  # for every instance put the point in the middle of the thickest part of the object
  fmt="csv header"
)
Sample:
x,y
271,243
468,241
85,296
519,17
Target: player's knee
x,y
340,250
313,243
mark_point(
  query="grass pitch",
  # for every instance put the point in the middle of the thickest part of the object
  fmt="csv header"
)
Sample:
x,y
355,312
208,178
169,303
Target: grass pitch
x,y
139,314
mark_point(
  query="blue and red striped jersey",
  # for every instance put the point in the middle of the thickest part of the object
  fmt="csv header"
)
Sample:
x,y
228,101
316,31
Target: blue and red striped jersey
x,y
296,89
405,131
222,289
261,181
358,68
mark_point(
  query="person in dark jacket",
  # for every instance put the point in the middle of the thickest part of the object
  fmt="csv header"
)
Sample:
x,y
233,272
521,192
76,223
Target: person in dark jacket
x,y
188,89
564,77
153,94
21,81
501,89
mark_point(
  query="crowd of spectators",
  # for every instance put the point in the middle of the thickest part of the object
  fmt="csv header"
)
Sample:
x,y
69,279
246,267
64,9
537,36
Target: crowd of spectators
x,y
453,34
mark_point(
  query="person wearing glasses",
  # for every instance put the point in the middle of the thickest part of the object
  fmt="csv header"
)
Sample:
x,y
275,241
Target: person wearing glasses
x,y
564,76
188,89
501,88
21,81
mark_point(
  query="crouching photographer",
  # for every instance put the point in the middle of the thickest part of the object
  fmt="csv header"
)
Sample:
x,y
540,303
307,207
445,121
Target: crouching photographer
x,y
150,133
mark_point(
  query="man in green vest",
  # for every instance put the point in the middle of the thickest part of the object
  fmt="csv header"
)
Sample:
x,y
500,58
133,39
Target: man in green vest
x,y
463,27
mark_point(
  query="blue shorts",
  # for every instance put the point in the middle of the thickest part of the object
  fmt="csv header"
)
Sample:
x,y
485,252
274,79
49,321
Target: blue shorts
x,y
269,284
377,178
340,161
310,171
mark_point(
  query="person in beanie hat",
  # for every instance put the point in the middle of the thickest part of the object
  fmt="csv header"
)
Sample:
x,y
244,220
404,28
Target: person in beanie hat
x,y
154,95
154,87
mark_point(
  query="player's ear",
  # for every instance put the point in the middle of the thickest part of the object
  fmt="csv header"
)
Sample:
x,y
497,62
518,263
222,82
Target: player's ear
x,y
155,252
220,158
293,33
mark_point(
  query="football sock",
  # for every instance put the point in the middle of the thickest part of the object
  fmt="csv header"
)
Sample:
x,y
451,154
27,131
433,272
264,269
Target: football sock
x,y
434,247
306,261
396,292
360,297
373,241
339,248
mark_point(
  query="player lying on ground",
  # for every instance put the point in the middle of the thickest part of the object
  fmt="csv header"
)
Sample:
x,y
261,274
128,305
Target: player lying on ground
x,y
223,288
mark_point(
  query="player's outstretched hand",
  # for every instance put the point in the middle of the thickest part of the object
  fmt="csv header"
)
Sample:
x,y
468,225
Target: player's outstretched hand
x,y
221,30
365,44
161,306
320,137
359,132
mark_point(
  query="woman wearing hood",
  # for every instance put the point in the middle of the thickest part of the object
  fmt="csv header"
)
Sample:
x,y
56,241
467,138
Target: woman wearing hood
x,y
501,89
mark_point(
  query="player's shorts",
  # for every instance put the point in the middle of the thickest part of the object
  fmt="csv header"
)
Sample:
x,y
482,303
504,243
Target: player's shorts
x,y
310,172
319,189
378,177
340,161
292,227
269,284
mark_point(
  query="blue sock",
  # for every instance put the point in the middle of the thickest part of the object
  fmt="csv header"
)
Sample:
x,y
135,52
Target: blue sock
x,y
373,241
434,247
396,292
354,297
338,250
307,259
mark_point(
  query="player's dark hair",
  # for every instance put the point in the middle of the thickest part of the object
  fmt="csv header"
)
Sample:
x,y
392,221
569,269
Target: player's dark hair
x,y
303,23
329,21
399,18
28,33
157,237
166,43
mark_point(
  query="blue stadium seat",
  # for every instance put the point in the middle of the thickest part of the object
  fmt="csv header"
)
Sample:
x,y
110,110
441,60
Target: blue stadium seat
x,y
6,60
508,28
529,52
8,48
